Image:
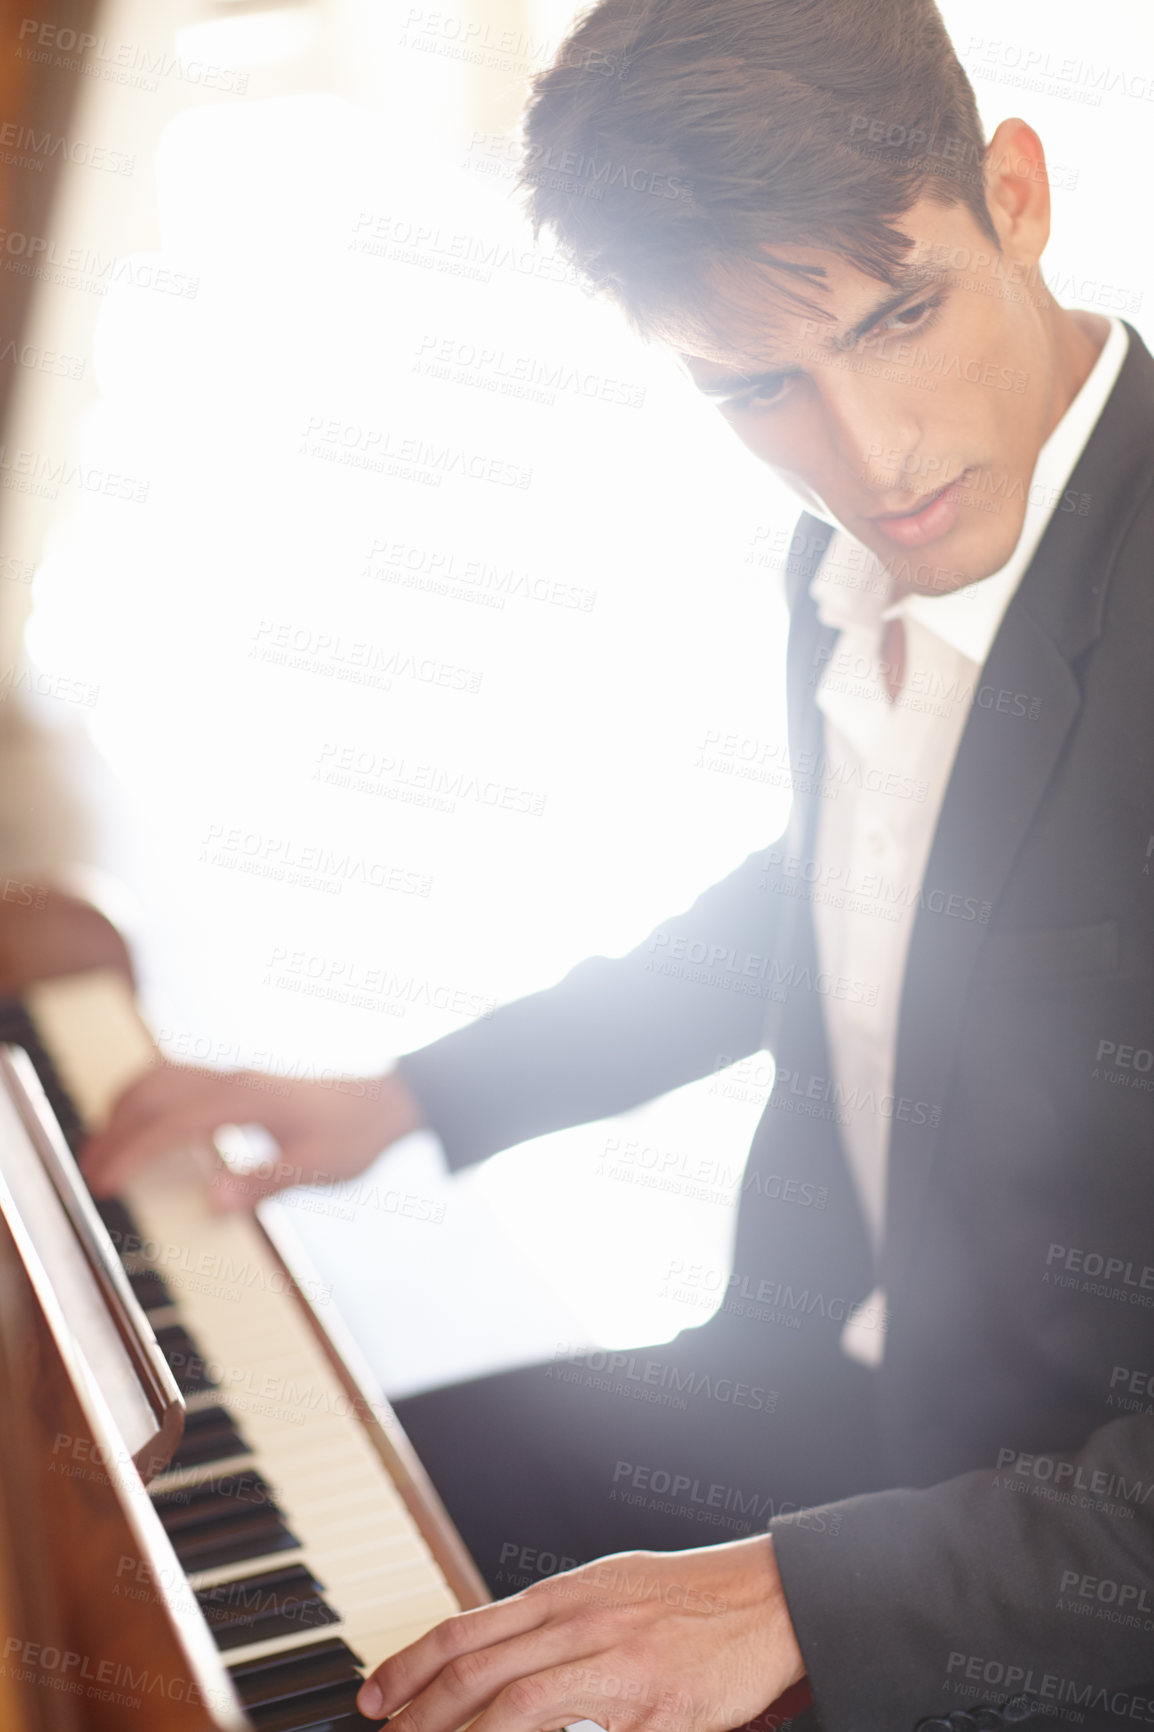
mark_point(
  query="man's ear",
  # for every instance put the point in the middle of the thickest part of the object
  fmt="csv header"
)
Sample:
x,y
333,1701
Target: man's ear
x,y
1018,190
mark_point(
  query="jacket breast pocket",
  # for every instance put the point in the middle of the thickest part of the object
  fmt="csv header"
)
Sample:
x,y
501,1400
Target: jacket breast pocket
x,y
1049,953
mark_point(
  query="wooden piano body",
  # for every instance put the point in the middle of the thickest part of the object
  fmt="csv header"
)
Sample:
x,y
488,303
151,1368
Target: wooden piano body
x,y
292,1541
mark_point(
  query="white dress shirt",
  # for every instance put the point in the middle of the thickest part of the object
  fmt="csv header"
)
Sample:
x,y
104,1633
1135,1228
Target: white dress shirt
x,y
886,766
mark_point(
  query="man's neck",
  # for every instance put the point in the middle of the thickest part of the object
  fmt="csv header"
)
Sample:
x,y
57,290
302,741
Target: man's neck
x,y
1078,341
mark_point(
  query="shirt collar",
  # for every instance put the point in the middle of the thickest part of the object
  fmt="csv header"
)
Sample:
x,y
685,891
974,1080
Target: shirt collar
x,y
851,586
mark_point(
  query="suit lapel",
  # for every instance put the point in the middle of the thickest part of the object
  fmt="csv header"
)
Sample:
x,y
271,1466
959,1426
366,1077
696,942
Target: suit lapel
x,y
809,640
1004,763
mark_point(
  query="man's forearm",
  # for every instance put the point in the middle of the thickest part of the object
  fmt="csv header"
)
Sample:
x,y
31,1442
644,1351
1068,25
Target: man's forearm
x,y
613,1032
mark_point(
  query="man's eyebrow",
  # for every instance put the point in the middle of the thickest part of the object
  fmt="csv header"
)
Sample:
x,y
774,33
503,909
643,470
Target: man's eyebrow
x,y
903,288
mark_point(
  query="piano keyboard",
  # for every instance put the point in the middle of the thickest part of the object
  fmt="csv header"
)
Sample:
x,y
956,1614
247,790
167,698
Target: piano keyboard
x,y
298,1546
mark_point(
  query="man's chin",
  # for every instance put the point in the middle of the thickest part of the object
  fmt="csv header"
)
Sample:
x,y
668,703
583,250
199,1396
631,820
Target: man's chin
x,y
970,552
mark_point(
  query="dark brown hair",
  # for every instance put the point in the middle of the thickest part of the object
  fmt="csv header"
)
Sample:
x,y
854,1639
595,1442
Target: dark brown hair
x,y
672,140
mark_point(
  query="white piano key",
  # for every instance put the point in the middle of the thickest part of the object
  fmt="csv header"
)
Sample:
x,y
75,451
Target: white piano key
x,y
356,1532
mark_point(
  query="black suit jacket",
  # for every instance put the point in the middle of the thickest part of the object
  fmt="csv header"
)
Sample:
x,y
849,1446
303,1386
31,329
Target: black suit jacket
x,y
1017,1391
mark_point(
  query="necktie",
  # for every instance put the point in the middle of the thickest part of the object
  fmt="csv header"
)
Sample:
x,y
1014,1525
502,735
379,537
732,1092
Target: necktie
x,y
893,657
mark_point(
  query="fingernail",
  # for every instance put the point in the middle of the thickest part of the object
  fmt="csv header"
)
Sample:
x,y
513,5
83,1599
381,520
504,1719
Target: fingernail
x,y
369,1699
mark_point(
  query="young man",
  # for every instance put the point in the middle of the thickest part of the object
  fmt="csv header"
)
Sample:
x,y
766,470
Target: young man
x,y
944,1271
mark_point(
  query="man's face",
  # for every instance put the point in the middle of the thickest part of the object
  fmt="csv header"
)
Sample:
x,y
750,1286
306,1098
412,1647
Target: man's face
x,y
912,416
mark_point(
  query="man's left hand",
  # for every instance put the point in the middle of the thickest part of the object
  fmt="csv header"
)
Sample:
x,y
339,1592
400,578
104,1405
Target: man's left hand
x,y
695,1641
45,931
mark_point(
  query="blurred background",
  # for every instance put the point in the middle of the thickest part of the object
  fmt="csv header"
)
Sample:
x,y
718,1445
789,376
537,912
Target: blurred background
x,y
387,629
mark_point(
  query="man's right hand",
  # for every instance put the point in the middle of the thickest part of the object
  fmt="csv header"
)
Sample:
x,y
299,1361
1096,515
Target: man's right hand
x,y
325,1131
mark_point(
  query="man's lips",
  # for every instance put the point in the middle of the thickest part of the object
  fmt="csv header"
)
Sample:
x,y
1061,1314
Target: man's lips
x,y
929,520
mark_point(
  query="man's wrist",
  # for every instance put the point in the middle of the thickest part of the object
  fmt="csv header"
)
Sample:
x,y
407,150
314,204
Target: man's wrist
x,y
399,1111
783,1636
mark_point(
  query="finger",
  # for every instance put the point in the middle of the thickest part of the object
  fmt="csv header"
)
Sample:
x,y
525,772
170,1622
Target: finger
x,y
235,1193
548,1701
107,1168
476,1677
167,1106
398,1679
167,1109
161,1090
139,1100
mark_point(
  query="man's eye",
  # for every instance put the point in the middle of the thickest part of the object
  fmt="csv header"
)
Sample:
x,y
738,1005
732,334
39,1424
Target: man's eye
x,y
767,395
909,318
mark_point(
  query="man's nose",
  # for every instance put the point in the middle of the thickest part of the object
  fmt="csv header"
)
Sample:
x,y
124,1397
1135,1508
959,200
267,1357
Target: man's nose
x,y
874,429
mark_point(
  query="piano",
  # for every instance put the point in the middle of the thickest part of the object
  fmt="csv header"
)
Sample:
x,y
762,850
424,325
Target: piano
x,y
272,1535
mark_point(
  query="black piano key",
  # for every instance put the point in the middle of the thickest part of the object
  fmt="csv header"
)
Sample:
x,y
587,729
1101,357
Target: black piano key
x,y
150,1288
223,1520
122,1228
213,1499
288,1678
313,1689
233,1542
187,1365
353,1722
331,1710
256,1608
210,1434
18,1029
